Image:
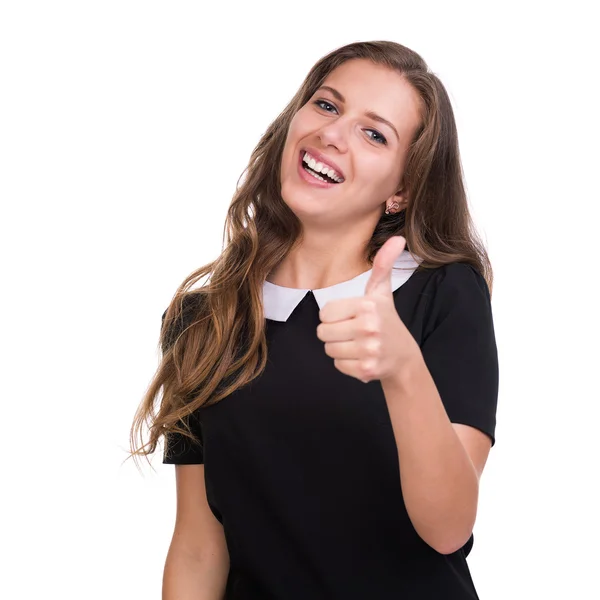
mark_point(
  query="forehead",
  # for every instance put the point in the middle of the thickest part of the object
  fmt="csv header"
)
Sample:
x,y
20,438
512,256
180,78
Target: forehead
x,y
367,86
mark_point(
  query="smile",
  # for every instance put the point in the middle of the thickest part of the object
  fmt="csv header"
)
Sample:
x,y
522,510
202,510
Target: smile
x,y
317,172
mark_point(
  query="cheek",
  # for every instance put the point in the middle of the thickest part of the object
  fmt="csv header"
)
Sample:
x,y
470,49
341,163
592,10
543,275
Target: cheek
x,y
289,147
294,134
377,175
299,131
307,122
385,174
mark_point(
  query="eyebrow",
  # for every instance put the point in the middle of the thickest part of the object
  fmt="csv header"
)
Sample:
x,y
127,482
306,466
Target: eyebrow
x,y
369,113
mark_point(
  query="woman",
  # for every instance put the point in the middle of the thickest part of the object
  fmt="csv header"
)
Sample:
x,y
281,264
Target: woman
x,y
329,395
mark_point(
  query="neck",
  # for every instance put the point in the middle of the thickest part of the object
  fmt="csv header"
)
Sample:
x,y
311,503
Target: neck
x,y
321,261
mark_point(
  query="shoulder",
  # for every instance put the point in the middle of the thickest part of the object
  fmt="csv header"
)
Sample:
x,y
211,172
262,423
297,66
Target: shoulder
x,y
459,279
187,305
458,287
180,314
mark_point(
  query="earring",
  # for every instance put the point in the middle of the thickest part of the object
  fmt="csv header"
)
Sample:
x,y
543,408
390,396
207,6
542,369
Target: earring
x,y
394,205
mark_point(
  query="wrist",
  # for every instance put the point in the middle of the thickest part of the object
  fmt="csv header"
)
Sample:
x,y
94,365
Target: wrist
x,y
403,377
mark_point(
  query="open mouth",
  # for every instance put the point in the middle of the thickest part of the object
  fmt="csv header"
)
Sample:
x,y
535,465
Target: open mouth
x,y
317,174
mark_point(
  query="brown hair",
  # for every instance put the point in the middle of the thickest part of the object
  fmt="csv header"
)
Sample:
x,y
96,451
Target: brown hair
x,y
213,337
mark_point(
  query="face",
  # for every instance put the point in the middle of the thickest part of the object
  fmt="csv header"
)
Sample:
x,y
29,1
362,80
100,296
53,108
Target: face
x,y
360,123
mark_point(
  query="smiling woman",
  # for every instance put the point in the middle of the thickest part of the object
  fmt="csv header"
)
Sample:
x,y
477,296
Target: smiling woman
x,y
362,136
329,395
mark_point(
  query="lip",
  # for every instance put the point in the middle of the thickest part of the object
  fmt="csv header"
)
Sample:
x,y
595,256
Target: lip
x,y
322,158
308,178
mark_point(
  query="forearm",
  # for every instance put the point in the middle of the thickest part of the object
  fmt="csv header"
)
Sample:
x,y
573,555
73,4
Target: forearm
x,y
439,482
187,577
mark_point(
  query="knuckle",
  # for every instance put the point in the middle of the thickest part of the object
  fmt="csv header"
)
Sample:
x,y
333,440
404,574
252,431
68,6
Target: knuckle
x,y
368,306
373,347
370,325
367,369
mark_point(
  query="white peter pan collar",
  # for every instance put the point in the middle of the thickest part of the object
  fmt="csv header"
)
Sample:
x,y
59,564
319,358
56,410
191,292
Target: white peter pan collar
x,y
279,302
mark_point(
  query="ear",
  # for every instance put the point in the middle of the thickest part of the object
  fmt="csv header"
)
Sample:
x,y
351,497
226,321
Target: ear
x,y
401,198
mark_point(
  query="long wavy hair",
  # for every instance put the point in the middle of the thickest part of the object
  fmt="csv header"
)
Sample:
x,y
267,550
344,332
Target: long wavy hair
x,y
212,337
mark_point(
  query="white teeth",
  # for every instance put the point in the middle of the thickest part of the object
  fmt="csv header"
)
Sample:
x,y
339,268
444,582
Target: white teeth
x,y
321,168
317,176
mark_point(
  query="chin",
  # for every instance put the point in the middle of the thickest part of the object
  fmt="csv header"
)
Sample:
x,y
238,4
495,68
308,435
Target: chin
x,y
303,202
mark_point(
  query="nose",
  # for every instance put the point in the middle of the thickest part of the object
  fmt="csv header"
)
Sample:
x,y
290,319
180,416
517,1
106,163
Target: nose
x,y
334,134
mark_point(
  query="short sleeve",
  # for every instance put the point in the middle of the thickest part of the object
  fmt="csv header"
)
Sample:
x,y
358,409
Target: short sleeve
x,y
189,307
181,450
178,448
459,347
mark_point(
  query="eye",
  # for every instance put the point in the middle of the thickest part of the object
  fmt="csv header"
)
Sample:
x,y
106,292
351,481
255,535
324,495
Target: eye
x,y
381,137
320,102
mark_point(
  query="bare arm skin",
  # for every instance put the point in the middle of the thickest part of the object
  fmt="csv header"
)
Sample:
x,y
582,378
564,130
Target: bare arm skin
x,y
197,563
440,462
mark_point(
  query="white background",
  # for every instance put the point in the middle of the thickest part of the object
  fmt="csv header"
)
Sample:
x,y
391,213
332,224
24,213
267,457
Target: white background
x,y
124,126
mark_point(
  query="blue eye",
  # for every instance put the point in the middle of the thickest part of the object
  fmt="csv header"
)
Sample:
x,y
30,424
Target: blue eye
x,y
319,102
382,139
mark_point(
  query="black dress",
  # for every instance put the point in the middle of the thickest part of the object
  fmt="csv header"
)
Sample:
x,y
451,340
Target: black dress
x,y
301,465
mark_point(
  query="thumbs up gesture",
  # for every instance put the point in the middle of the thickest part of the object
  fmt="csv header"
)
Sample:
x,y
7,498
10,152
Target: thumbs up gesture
x,y
365,336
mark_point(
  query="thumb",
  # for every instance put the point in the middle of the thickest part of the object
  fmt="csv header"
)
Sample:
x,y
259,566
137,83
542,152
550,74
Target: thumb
x,y
380,282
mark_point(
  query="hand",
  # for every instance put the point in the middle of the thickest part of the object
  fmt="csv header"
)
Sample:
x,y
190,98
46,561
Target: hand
x,y
365,336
